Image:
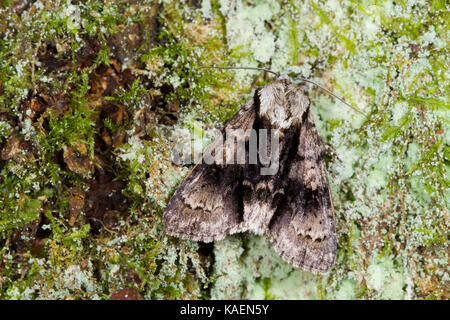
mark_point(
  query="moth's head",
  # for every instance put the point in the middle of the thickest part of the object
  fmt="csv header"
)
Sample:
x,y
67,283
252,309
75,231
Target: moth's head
x,y
280,119
284,77
282,102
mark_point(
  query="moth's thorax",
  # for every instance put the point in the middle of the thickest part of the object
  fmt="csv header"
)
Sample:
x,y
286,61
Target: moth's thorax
x,y
284,77
283,103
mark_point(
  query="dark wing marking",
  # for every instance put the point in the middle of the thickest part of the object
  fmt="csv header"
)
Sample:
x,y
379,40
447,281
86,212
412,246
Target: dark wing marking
x,y
263,191
208,203
302,230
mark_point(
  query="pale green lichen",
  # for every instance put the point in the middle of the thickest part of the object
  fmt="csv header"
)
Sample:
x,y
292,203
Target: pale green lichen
x,y
384,279
346,290
371,157
257,272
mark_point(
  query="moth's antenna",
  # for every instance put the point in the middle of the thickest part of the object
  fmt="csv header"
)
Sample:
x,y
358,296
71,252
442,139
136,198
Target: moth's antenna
x,y
249,68
301,79
332,94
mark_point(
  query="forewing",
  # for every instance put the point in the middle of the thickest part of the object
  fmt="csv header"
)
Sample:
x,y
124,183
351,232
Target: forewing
x,y
302,230
208,203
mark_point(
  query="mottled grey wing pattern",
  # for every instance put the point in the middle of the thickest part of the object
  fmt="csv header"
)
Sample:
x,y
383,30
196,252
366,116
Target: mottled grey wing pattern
x,y
302,229
279,106
208,203
292,207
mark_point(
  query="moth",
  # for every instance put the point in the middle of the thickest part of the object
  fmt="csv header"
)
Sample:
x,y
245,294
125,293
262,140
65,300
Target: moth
x,y
292,207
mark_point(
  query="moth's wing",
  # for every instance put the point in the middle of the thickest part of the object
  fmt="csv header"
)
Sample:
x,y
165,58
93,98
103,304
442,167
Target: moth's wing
x,y
208,203
302,229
